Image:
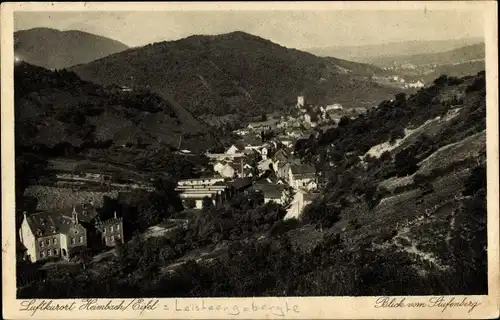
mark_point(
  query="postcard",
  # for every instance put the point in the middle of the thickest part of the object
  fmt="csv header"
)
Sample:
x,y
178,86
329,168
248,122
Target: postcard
x,y
250,160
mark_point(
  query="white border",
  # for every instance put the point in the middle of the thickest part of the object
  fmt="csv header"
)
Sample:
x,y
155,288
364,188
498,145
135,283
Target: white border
x,y
309,307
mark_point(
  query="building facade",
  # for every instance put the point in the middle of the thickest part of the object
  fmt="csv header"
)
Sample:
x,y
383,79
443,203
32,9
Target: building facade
x,y
111,230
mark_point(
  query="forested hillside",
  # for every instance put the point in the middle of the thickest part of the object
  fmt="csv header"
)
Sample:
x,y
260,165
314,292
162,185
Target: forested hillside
x,y
59,115
402,211
237,73
57,107
54,49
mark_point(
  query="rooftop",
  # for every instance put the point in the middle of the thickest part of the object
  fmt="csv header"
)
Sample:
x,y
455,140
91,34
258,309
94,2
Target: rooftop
x,y
303,169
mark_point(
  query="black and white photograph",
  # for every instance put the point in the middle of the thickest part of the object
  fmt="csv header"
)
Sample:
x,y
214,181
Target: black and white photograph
x,y
250,153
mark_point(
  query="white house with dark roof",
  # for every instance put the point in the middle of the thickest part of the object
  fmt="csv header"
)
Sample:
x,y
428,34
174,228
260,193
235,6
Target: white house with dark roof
x,y
302,176
58,234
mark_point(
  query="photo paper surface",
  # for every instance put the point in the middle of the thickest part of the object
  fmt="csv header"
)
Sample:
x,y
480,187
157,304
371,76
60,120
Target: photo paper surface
x,y
250,160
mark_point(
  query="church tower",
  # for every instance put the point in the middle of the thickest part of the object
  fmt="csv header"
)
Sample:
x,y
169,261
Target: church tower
x,y
74,216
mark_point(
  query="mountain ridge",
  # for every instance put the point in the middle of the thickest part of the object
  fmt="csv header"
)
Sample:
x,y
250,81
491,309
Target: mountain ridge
x,y
57,49
365,53
457,55
236,73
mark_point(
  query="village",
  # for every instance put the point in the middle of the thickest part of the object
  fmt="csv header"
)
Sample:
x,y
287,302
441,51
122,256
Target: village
x,y
261,160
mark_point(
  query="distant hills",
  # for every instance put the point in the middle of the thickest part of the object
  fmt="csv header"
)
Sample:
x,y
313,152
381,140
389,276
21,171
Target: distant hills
x,y
367,53
237,73
469,53
56,111
54,49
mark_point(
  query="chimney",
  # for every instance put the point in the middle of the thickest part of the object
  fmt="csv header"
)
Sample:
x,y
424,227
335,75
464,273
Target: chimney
x,y
115,214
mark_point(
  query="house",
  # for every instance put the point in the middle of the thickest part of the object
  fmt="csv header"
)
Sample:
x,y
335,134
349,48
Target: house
x,y
263,153
51,235
111,230
239,185
281,155
232,150
265,164
300,101
262,126
335,106
302,176
218,165
227,171
57,234
272,192
286,140
241,169
193,191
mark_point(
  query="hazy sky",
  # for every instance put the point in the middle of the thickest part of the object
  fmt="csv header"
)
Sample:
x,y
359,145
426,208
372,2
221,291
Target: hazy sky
x,y
298,29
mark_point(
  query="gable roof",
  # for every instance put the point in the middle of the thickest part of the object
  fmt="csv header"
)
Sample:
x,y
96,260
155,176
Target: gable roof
x,y
281,155
60,221
241,183
303,169
272,191
47,223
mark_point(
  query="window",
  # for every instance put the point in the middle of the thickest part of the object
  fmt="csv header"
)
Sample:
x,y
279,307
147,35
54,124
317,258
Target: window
x,y
117,227
118,236
49,252
41,244
81,239
47,241
104,230
73,241
111,229
54,241
41,254
55,252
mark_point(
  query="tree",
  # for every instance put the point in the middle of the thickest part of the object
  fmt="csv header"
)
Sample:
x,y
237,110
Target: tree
x,y
441,81
396,133
207,203
405,162
476,181
400,97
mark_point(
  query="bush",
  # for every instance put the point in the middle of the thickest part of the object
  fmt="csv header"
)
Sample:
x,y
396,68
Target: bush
x,y
476,181
477,84
405,162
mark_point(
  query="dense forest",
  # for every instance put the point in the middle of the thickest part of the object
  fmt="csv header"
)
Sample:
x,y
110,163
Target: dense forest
x,y
407,218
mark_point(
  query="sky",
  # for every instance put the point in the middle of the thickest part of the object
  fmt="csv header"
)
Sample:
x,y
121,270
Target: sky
x,y
295,29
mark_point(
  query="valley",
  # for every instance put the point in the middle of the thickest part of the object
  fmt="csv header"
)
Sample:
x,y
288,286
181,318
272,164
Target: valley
x,y
231,166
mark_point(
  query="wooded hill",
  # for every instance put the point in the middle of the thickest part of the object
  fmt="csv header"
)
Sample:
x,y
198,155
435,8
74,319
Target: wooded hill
x,y
56,109
55,49
237,73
